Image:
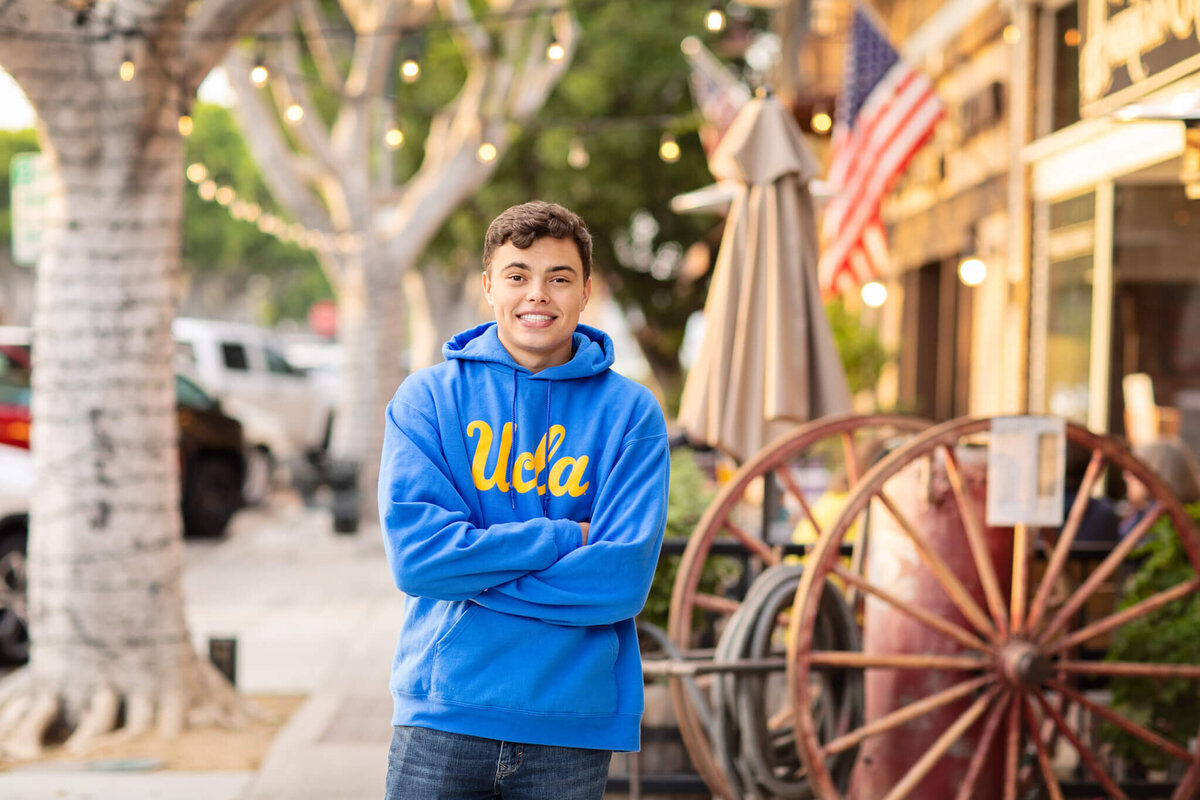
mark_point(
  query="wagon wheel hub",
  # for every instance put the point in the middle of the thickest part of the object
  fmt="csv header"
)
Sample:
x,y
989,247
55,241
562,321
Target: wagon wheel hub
x,y
1023,665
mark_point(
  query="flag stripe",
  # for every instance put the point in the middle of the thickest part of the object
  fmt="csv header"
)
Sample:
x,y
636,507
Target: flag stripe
x,y
885,124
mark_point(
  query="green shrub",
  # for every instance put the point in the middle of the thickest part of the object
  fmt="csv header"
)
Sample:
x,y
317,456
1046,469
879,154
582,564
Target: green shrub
x,y
1171,635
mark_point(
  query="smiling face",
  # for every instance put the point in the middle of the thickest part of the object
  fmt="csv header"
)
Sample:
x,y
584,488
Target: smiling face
x,y
537,295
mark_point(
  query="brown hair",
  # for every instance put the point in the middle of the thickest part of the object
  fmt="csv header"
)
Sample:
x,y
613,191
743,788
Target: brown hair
x,y
527,222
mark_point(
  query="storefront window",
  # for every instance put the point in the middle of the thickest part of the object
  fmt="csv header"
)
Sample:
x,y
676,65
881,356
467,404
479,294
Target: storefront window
x,y
1069,337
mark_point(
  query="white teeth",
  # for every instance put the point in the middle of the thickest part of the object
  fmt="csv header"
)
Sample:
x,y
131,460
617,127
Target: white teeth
x,y
537,317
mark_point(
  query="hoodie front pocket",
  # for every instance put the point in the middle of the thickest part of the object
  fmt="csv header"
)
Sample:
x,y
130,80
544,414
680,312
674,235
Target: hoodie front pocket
x,y
497,660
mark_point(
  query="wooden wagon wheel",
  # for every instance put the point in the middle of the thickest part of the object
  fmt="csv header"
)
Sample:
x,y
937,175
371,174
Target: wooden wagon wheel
x,y
735,520
1010,642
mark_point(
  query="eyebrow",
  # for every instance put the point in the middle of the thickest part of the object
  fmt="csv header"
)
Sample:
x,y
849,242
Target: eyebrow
x,y
527,268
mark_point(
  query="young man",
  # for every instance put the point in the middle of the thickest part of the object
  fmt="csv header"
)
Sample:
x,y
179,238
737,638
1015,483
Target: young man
x,y
523,495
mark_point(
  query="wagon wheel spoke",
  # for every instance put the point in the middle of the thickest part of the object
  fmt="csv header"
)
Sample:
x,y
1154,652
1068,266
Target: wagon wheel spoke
x,y
925,763
979,551
1085,752
788,481
716,603
1145,734
955,632
905,714
752,543
1022,552
975,767
952,586
1062,549
1043,757
853,473
1102,572
856,660
1012,748
1116,620
1127,669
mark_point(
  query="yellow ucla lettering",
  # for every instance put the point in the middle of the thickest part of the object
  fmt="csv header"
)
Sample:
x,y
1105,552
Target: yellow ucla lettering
x,y
483,449
571,487
527,467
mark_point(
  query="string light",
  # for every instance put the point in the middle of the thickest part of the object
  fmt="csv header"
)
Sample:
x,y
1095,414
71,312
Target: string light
x,y
128,68
197,172
259,74
821,122
186,125
577,155
714,20
225,195
207,189
668,149
294,113
972,271
410,70
556,52
394,137
487,152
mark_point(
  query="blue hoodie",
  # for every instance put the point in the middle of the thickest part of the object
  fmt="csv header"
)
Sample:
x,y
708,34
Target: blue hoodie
x,y
513,630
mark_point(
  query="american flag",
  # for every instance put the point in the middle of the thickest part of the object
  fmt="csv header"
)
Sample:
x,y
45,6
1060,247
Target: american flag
x,y
716,91
887,109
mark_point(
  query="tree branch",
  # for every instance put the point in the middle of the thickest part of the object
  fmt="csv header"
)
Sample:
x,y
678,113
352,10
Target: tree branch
x,y
203,46
287,174
288,86
313,23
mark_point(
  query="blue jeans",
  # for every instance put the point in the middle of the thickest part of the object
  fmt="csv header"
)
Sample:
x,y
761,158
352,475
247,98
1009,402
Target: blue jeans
x,y
425,764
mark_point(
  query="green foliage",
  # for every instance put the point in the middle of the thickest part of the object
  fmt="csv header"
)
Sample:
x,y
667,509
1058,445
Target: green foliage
x,y
863,354
627,84
689,496
1171,635
11,143
215,243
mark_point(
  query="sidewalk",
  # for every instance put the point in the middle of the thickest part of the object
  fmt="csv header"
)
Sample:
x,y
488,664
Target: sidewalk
x,y
314,613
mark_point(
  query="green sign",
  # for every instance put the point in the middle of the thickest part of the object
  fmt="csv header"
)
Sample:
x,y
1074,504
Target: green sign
x,y
30,182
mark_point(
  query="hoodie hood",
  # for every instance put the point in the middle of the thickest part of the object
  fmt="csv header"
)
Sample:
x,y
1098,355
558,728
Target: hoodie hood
x,y
592,352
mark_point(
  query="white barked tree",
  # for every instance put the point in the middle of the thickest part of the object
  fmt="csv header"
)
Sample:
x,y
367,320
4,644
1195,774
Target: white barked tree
x,y
110,643
337,175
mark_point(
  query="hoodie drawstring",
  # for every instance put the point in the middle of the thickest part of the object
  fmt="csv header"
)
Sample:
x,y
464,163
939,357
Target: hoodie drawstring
x,y
546,496
512,492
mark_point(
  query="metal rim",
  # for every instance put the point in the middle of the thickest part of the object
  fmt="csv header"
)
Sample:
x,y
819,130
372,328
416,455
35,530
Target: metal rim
x,y
1013,656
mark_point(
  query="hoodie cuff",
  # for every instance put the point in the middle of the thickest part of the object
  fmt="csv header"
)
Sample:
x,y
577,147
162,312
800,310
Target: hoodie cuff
x,y
567,535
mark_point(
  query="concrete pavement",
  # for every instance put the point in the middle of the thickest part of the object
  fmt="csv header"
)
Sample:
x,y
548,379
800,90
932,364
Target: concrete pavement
x,y
313,613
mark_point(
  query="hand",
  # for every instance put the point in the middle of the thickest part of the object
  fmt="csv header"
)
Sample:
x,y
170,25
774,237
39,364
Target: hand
x,y
584,527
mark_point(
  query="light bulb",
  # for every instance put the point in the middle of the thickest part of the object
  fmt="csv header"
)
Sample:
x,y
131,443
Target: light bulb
x,y
577,155
487,152
128,68
874,294
668,149
186,126
410,70
714,20
556,52
972,271
294,113
259,75
225,195
197,172
394,138
207,190
821,122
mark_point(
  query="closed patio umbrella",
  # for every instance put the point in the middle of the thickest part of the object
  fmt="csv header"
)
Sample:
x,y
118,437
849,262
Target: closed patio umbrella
x,y
767,360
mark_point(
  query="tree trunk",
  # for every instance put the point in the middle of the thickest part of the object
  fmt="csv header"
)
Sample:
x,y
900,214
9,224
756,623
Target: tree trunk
x,y
106,555
439,307
371,328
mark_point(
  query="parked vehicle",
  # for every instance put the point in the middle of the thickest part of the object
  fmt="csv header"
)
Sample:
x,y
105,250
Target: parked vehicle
x,y
287,416
16,485
211,444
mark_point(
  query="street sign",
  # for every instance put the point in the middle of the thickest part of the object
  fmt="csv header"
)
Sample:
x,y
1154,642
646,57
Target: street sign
x,y
30,189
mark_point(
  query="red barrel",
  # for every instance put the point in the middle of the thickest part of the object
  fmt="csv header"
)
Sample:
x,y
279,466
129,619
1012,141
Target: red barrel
x,y
923,493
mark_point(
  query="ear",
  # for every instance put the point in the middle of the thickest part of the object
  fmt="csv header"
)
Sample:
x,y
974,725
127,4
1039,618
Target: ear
x,y
487,288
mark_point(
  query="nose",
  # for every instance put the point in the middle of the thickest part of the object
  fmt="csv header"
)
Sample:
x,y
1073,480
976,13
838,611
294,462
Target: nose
x,y
536,293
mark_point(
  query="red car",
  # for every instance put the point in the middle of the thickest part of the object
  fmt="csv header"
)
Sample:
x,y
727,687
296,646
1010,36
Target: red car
x,y
211,446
